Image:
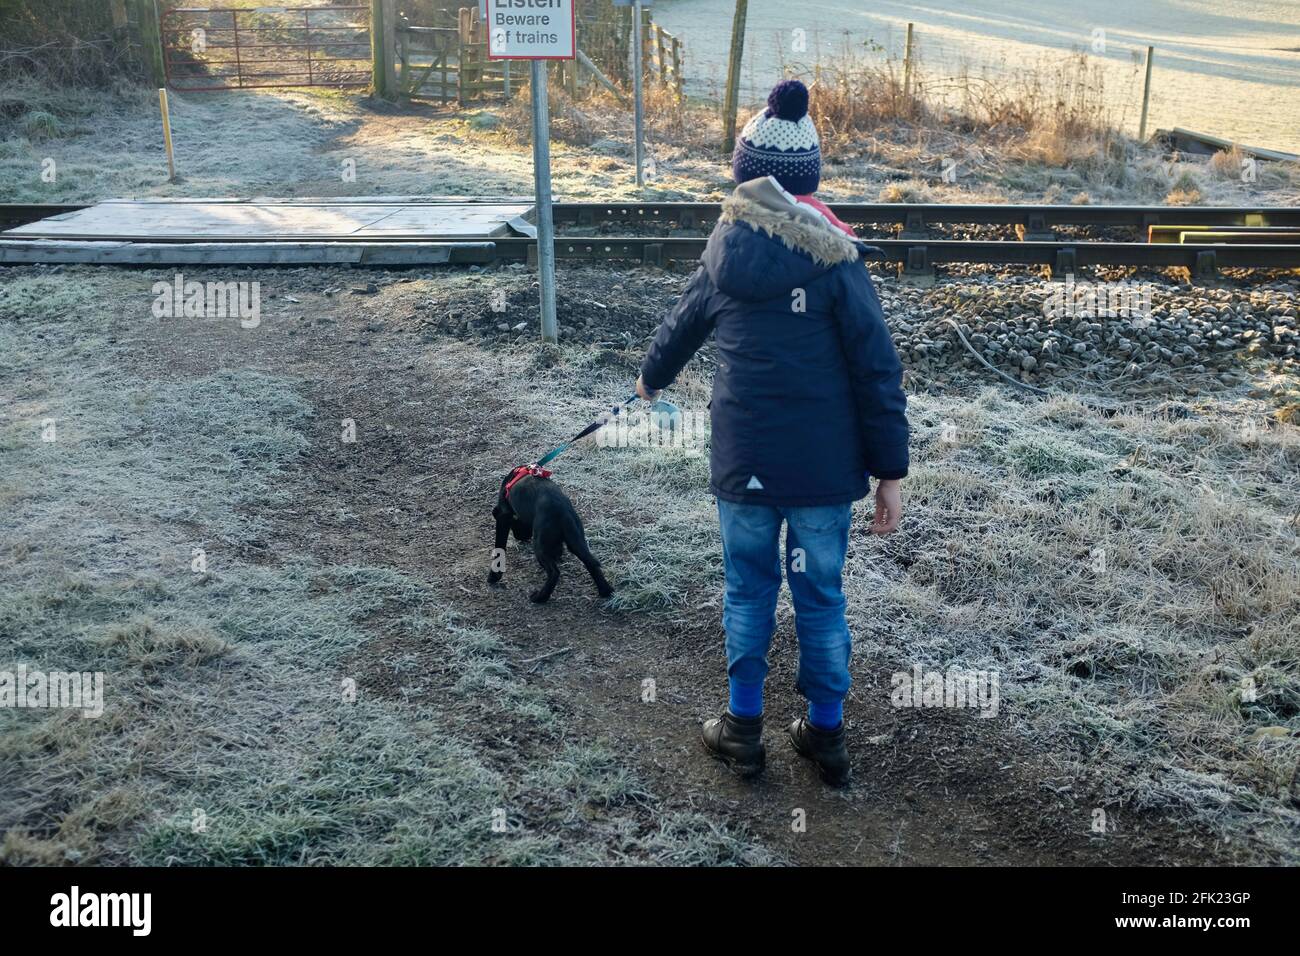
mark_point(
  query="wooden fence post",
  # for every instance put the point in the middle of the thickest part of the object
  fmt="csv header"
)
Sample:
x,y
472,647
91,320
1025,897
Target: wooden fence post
x,y
677,67
660,53
378,56
445,88
167,133
149,29
647,43
404,56
469,66
390,49
907,65
464,67
1146,96
731,103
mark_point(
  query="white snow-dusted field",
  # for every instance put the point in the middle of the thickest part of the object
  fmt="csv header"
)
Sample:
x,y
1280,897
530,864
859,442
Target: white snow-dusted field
x,y
1228,67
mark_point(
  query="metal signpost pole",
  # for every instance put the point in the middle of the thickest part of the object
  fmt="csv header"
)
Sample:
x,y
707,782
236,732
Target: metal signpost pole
x,y
638,108
542,180
549,32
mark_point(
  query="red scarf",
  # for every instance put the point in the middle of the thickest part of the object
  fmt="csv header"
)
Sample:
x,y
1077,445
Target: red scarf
x,y
822,208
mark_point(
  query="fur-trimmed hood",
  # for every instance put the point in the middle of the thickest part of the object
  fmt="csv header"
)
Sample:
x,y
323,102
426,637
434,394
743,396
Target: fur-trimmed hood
x,y
763,204
766,243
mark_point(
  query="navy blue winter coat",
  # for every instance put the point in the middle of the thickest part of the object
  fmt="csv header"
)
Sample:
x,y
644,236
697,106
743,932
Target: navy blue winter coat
x,y
807,396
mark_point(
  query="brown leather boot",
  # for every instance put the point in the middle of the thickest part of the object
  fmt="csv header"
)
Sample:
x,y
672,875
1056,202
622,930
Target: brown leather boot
x,y
825,748
738,741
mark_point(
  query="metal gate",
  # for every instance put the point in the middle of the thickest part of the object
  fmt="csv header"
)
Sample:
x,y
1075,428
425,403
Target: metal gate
x,y
227,48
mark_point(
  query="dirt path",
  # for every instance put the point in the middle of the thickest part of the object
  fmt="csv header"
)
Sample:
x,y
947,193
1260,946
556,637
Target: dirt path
x,y
436,429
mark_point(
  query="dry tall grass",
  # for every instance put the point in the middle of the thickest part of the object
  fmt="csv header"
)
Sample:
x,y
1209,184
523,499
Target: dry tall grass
x,y
65,42
1020,127
596,113
1227,163
1054,112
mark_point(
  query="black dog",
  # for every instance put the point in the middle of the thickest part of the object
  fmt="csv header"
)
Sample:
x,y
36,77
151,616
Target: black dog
x,y
534,508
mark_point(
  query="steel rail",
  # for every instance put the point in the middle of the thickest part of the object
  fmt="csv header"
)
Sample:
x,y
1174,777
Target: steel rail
x,y
918,255
921,215
678,247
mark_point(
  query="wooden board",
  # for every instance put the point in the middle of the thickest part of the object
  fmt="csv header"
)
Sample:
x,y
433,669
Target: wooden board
x,y
1190,141
333,200
28,251
221,220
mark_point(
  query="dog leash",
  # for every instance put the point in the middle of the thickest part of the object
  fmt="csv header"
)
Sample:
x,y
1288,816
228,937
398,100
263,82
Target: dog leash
x,y
594,426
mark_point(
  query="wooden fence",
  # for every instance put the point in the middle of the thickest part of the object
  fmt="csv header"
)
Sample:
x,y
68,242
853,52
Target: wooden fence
x,y
428,62
448,62
661,55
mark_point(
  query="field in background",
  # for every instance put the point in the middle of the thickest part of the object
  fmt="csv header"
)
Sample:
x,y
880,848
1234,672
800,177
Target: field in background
x,y
1227,69
1044,139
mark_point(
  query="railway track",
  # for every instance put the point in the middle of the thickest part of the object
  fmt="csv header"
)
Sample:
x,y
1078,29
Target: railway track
x,y
1035,218
1241,237
917,217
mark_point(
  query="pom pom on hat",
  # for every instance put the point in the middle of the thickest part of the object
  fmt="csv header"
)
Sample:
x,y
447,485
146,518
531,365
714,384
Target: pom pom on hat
x,y
788,101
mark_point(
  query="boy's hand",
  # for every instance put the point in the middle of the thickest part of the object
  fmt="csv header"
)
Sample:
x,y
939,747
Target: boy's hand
x,y
647,394
889,506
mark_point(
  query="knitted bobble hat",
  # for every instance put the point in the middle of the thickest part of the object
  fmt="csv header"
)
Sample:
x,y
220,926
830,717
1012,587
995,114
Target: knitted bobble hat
x,y
781,141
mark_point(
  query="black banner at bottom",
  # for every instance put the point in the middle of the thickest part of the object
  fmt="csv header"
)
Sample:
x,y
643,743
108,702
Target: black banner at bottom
x,y
335,905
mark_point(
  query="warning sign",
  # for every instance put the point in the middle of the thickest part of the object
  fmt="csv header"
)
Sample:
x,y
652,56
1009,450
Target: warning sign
x,y
531,30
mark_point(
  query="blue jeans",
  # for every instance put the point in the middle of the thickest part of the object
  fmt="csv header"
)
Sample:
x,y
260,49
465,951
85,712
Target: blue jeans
x,y
816,541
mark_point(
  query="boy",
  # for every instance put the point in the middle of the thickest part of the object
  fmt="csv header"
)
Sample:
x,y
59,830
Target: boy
x,y
807,405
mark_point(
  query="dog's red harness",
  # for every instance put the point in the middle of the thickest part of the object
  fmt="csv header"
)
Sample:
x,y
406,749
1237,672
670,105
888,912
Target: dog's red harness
x,y
537,471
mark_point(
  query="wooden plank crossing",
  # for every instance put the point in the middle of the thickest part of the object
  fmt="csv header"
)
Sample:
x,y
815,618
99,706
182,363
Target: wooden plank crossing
x,y
354,219
419,230
117,253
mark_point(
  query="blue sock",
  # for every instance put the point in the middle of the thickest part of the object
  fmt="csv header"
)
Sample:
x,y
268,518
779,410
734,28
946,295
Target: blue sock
x,y
746,699
826,716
